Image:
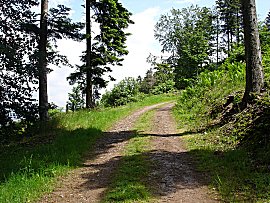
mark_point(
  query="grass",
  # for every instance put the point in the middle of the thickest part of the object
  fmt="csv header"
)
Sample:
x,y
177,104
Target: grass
x,y
235,172
30,168
129,183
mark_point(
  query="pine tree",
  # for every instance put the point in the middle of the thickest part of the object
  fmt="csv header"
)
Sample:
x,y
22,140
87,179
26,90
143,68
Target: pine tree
x,y
230,20
148,82
75,99
267,21
105,49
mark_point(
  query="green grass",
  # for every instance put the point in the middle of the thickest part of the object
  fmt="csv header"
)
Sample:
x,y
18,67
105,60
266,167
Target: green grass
x,y
30,168
235,173
129,183
211,90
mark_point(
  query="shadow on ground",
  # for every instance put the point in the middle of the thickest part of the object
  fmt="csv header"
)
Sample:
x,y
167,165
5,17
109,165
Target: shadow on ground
x,y
179,167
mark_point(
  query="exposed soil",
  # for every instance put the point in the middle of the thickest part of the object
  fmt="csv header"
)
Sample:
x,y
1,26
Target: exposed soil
x,y
173,177
88,183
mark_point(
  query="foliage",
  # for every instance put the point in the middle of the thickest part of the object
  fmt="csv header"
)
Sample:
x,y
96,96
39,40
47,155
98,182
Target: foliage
x,y
267,21
265,45
148,82
124,92
75,99
128,90
159,79
16,72
186,34
231,21
209,90
229,139
165,87
163,73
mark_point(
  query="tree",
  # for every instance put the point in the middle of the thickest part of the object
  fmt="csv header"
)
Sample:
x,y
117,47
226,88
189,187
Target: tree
x,y
187,35
254,69
105,49
75,99
24,55
148,82
43,94
60,26
267,21
89,75
17,74
230,17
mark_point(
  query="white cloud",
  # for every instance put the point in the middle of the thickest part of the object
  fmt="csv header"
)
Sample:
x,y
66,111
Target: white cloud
x,y
58,86
140,44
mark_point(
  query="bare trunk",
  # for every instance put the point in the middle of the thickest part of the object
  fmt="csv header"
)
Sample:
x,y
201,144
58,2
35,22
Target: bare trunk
x,y
217,40
89,76
43,95
254,69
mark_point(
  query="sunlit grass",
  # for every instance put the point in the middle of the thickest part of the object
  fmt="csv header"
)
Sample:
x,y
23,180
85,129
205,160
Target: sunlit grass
x,y
234,173
129,184
29,170
231,169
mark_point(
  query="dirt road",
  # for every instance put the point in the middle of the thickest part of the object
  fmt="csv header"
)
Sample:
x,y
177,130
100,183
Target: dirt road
x,y
173,177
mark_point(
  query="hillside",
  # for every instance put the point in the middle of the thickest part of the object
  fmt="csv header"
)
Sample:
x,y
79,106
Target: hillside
x,y
229,138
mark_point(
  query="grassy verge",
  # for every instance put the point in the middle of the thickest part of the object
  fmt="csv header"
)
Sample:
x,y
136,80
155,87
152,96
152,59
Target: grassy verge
x,y
216,130
129,184
30,168
232,170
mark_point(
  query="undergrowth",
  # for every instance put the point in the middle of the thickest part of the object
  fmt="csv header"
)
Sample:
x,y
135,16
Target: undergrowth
x,y
29,168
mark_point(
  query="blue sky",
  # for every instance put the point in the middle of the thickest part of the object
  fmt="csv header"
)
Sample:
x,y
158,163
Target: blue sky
x,y
140,44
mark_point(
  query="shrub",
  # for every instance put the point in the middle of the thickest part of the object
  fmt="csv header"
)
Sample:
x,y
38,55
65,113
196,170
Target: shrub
x,y
124,92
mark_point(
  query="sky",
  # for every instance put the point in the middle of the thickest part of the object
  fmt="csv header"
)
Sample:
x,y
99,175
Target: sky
x,y
140,44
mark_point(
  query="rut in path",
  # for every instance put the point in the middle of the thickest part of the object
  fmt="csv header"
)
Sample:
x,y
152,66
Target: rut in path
x,y
87,184
173,176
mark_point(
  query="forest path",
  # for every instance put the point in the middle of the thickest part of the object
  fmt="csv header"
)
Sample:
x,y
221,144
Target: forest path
x,y
88,183
172,176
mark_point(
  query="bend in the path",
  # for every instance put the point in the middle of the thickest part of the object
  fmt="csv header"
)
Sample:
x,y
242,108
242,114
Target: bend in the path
x,y
88,183
174,176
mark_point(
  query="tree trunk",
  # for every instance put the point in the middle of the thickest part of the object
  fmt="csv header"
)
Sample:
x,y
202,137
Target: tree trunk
x,y
217,40
43,95
254,69
89,83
